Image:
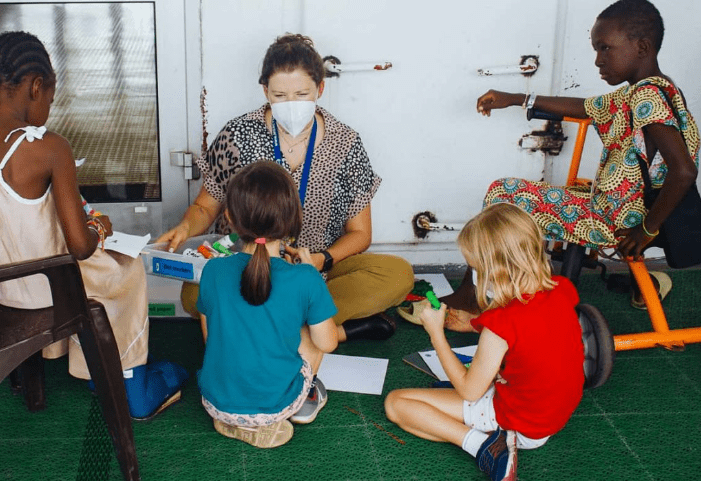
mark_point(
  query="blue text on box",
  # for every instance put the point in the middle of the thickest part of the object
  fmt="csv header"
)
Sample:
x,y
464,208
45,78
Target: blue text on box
x,y
167,267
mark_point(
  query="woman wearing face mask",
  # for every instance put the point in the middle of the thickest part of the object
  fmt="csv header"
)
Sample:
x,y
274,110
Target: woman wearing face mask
x,y
336,183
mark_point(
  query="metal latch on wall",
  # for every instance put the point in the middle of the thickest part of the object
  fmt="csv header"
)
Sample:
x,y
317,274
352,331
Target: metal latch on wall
x,y
549,140
180,158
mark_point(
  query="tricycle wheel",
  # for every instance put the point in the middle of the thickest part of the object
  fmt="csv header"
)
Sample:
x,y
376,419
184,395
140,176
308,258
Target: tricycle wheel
x,y
599,349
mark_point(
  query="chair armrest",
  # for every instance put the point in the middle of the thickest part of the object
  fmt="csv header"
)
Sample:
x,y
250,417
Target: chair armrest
x,y
65,281
34,266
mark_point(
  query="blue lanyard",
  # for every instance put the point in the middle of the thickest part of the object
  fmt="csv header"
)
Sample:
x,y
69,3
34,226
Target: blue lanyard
x,y
307,160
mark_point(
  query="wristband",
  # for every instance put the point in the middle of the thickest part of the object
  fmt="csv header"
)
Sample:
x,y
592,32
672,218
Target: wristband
x,y
531,101
328,261
525,100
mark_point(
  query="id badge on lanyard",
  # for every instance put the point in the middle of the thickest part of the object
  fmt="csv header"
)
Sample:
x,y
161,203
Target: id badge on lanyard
x,y
307,160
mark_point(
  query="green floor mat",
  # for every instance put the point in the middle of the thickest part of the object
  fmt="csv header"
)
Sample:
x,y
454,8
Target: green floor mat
x,y
644,423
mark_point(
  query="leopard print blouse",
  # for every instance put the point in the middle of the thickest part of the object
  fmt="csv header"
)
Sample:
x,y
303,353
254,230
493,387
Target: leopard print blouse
x,y
341,180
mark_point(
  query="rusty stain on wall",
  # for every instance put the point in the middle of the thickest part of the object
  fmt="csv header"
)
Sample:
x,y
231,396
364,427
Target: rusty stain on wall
x,y
203,112
419,223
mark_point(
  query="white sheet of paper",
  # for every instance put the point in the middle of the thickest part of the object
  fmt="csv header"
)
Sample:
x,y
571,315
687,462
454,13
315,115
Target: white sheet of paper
x,y
441,286
431,360
364,375
127,244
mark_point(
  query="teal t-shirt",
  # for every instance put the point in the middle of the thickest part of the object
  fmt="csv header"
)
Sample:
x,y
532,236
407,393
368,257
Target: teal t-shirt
x,y
251,361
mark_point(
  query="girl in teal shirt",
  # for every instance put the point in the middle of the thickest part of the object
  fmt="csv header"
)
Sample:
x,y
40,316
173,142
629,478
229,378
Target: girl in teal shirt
x,y
267,322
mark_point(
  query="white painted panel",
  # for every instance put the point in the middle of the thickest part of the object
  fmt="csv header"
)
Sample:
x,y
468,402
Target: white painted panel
x,y
418,120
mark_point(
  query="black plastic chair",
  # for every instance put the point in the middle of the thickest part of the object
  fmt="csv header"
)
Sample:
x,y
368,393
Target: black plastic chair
x,y
25,332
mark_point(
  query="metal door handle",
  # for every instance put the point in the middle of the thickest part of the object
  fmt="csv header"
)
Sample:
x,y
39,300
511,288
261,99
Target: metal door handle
x,y
528,66
333,66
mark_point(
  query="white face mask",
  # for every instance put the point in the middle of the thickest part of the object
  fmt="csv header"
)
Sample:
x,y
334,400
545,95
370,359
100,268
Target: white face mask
x,y
489,292
294,116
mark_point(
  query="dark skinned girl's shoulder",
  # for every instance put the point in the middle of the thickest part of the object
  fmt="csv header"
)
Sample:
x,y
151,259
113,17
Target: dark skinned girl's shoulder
x,y
53,149
54,141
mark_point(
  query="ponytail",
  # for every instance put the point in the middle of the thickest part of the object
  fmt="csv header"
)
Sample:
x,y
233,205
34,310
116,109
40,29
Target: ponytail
x,y
255,280
262,203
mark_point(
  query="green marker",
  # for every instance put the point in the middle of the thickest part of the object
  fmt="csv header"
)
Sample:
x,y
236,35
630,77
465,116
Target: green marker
x,y
220,248
435,303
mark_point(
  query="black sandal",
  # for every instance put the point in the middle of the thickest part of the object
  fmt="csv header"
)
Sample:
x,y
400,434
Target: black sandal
x,y
378,327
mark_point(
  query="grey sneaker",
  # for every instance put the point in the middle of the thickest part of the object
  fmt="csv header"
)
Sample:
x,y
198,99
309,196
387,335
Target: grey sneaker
x,y
312,405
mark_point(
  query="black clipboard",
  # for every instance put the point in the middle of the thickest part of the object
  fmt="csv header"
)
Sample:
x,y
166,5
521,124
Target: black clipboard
x,y
416,361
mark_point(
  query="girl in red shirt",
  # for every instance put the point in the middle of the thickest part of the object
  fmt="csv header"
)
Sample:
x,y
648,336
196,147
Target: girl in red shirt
x,y
526,378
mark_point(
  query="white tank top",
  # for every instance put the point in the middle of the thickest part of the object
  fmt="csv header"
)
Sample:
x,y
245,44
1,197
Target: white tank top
x,y
29,229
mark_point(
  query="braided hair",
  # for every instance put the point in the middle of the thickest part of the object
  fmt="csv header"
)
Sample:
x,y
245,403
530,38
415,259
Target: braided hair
x,y
21,54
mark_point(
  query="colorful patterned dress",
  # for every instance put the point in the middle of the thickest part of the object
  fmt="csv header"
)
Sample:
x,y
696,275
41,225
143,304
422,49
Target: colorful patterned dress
x,y
587,216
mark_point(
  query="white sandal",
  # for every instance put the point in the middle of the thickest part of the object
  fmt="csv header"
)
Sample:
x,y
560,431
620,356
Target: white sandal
x,y
665,283
413,312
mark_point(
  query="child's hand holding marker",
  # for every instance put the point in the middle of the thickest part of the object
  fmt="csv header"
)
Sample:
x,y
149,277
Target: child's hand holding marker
x,y
433,319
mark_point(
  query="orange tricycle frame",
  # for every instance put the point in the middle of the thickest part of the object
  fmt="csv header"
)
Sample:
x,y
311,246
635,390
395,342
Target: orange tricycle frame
x,y
662,335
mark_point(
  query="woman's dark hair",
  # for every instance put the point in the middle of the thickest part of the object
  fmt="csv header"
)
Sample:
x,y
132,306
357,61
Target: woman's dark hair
x,y
262,201
21,54
638,18
290,52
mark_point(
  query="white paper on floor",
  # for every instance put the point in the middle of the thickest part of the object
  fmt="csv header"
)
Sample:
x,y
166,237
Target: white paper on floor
x,y
364,375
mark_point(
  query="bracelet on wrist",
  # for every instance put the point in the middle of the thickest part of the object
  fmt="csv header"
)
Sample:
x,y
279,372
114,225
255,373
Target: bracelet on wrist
x,y
653,234
95,225
531,101
525,101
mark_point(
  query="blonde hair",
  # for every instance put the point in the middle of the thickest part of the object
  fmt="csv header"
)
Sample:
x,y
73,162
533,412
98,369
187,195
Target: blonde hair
x,y
505,246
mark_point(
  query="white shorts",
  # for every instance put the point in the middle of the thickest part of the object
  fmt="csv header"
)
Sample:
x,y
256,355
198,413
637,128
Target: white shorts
x,y
480,415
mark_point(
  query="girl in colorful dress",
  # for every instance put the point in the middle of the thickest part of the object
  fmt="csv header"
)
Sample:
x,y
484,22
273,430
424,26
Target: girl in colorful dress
x,y
267,322
526,378
645,119
42,214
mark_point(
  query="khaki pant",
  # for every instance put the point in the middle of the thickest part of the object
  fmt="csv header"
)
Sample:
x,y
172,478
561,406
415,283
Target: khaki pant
x,y
360,285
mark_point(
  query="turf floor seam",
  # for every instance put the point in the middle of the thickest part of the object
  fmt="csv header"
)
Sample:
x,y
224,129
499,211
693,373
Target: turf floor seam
x,y
623,440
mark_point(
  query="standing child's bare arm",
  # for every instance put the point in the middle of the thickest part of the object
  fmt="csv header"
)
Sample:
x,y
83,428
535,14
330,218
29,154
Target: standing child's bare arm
x,y
565,106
